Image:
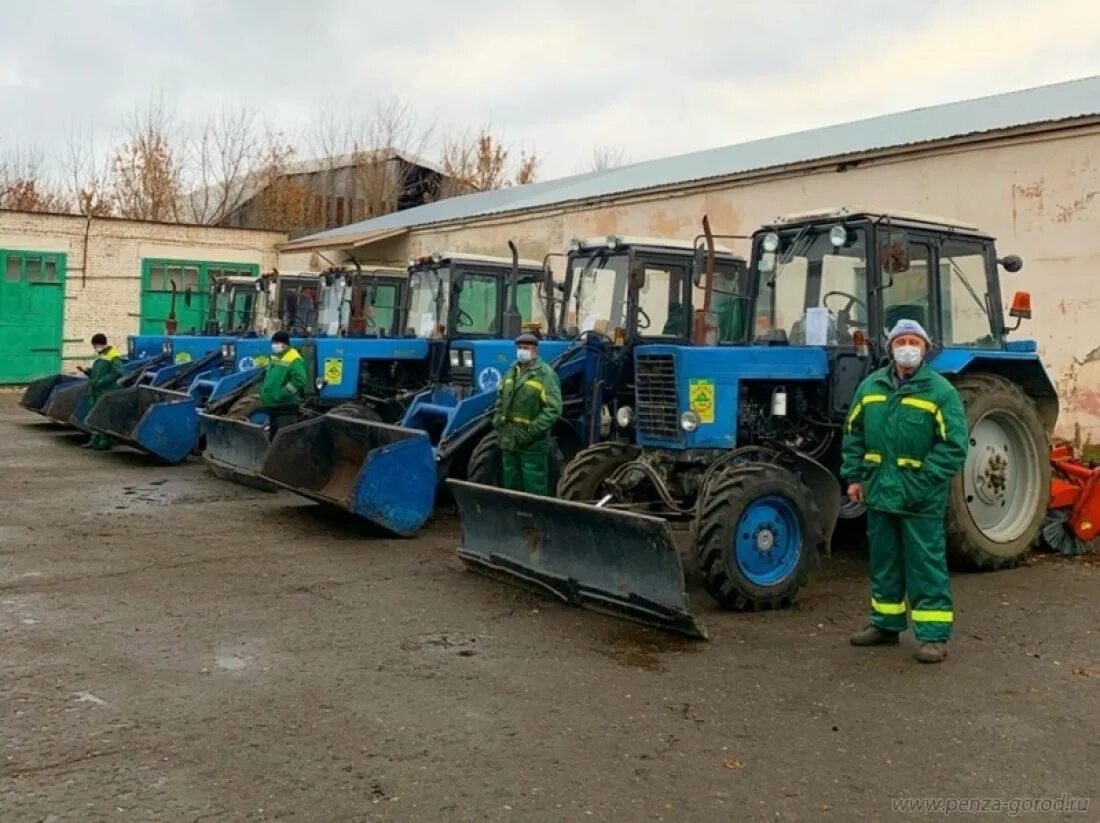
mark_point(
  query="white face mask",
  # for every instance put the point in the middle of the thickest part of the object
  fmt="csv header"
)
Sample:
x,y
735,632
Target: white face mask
x,y
524,355
908,356
278,348
99,349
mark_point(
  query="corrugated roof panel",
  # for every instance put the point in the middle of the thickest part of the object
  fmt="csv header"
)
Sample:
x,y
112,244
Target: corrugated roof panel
x,y
1061,101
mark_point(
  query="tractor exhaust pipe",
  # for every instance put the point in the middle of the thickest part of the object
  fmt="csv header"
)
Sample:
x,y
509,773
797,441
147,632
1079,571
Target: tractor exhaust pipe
x,y
511,322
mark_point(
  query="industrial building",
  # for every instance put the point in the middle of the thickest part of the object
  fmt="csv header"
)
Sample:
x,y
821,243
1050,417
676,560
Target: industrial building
x,y
1023,166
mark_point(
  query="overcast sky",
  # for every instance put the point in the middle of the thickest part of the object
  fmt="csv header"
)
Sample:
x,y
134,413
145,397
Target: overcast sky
x,y
559,76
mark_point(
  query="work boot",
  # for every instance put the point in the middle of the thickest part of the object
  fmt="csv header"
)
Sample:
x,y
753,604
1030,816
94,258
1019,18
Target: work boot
x,y
931,652
874,636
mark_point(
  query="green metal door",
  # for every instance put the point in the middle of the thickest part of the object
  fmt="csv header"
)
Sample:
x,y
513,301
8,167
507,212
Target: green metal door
x,y
157,277
32,314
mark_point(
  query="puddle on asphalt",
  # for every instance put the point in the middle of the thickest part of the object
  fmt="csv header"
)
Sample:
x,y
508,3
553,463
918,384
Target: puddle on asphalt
x,y
638,647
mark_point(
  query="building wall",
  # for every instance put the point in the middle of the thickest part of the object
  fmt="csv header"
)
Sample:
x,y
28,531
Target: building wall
x,y
103,289
1040,197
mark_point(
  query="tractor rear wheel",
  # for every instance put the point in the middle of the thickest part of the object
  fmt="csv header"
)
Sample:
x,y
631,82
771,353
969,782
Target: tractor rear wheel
x,y
757,536
357,411
999,501
484,465
583,477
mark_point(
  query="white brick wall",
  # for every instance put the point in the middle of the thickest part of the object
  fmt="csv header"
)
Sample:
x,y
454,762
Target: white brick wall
x,y
103,293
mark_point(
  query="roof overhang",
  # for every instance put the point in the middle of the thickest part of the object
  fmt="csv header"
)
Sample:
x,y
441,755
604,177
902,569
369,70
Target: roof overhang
x,y
349,241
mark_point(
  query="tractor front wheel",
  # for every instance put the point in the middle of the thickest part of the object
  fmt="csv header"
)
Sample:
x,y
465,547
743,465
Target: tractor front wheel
x,y
757,536
999,501
584,476
484,466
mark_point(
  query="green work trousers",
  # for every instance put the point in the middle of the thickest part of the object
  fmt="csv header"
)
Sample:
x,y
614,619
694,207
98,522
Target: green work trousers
x,y
909,558
527,469
99,442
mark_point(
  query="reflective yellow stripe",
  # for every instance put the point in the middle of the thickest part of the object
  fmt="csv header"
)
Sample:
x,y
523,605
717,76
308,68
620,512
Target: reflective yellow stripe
x,y
887,608
932,616
518,419
873,457
909,463
290,355
535,384
858,407
931,408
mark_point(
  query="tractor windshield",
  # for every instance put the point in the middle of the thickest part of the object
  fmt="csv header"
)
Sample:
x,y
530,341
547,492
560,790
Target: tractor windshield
x,y
429,300
811,284
600,289
231,306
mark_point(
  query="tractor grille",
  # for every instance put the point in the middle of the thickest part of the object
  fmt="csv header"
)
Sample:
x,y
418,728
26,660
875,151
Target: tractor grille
x,y
462,377
655,397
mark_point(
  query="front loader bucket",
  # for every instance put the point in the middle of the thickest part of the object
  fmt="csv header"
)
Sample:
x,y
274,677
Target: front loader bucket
x,y
37,394
64,400
235,450
385,474
616,562
159,422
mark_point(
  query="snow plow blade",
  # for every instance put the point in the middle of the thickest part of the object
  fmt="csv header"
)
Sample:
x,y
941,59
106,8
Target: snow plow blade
x,y
37,394
159,422
384,474
235,450
615,562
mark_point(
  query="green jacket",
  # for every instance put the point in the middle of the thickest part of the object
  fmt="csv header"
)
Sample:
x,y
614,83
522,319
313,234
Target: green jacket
x,y
105,371
527,405
285,381
904,442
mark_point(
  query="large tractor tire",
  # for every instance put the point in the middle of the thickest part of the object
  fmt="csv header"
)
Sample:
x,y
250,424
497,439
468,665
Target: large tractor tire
x,y
999,501
484,466
584,474
757,536
357,411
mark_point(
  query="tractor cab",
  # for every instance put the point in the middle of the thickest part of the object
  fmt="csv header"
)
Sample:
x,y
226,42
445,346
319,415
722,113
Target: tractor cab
x,y
372,306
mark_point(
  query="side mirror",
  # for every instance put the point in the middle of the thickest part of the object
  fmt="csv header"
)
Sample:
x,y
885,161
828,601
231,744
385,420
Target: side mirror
x,y
637,274
187,297
893,251
698,265
1011,263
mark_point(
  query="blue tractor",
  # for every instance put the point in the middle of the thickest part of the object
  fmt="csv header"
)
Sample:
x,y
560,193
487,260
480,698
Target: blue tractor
x,y
616,293
741,443
158,413
451,300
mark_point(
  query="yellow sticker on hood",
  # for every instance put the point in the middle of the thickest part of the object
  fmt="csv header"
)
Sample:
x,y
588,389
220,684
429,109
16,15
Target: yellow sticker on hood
x,y
701,394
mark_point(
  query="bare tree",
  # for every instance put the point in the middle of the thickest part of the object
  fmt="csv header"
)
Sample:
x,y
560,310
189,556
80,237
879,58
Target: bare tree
x,y
225,157
480,162
605,158
147,170
283,202
87,177
24,186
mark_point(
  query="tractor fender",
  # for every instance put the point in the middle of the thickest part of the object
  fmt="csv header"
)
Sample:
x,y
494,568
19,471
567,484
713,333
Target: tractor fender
x,y
822,483
1019,364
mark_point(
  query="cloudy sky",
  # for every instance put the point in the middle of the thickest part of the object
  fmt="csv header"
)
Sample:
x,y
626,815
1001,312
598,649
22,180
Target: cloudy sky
x,y
559,76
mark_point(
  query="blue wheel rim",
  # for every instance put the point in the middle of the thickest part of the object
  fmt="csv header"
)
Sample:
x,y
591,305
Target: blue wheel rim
x,y
767,543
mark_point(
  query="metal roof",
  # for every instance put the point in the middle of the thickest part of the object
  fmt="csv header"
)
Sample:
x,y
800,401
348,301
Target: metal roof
x,y
842,212
1044,104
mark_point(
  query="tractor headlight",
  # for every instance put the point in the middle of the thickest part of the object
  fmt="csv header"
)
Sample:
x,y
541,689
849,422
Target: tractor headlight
x,y
130,347
838,236
319,383
456,359
771,242
467,358
624,417
166,347
689,421
226,354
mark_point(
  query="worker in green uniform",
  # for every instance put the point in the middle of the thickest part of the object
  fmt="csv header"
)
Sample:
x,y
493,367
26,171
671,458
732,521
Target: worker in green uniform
x,y
527,407
102,377
905,439
284,384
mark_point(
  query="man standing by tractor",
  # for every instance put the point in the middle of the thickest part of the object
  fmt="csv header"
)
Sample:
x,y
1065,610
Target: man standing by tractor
x,y
284,384
102,377
905,440
527,407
